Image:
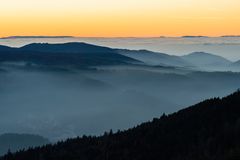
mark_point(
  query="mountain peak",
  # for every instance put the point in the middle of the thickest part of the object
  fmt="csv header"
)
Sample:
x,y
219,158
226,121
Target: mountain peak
x,y
204,59
65,47
201,53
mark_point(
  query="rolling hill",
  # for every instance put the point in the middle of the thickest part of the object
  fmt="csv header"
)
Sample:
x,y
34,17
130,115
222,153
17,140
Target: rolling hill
x,y
72,47
5,48
207,60
155,58
236,64
68,54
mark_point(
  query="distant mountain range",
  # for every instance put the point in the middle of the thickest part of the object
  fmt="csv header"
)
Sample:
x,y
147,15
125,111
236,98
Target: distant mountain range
x,y
15,37
186,36
229,36
208,130
195,60
77,54
194,37
155,58
14,142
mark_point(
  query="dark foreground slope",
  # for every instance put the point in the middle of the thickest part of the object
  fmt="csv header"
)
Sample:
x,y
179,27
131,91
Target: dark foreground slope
x,y
207,131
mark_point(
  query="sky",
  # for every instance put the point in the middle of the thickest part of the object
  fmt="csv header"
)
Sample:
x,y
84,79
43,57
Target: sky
x,y
119,18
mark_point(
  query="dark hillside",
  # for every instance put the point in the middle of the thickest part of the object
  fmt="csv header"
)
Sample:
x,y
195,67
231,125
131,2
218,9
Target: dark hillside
x,y
209,130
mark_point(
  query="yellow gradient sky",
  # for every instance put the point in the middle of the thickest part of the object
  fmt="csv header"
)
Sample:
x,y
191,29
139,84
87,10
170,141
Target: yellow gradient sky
x,y
119,18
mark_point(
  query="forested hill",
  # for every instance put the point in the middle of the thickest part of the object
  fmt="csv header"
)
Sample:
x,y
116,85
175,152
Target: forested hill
x,y
209,130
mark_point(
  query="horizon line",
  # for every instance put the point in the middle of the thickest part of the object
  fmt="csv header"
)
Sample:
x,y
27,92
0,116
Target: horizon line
x,y
69,36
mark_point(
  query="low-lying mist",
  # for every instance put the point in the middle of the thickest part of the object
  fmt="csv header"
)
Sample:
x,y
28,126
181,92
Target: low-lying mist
x,y
61,104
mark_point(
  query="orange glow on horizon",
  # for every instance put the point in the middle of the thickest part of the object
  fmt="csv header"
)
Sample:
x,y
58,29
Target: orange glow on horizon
x,y
125,18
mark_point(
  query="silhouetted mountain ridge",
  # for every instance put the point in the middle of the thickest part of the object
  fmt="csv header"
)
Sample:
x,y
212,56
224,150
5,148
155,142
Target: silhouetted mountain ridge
x,y
68,54
77,47
194,36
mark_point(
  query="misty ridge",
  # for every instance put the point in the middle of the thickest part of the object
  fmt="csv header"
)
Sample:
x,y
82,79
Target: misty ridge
x,y
32,53
67,90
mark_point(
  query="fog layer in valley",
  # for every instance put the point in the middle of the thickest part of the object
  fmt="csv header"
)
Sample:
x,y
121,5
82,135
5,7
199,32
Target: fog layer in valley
x,y
59,104
66,90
